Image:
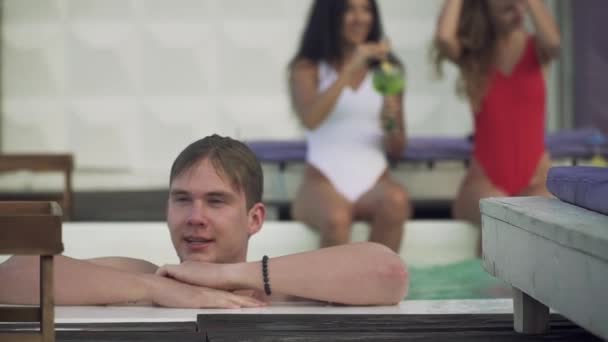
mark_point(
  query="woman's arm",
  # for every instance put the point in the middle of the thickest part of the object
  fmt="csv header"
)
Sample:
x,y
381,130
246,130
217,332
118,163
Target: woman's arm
x,y
312,106
446,36
392,119
548,36
355,274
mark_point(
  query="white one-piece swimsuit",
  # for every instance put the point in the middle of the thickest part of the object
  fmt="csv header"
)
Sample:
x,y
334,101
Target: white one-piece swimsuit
x,y
347,146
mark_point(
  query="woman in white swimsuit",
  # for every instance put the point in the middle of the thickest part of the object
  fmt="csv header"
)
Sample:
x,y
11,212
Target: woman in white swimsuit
x,y
350,127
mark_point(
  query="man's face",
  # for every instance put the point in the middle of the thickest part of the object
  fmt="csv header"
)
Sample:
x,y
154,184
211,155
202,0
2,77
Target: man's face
x,y
208,219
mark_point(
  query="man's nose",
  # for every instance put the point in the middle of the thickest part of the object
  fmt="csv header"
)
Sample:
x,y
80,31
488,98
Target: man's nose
x,y
197,215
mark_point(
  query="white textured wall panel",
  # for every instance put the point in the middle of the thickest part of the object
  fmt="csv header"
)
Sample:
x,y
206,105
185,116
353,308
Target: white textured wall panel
x,y
32,124
167,71
126,84
93,71
99,131
262,118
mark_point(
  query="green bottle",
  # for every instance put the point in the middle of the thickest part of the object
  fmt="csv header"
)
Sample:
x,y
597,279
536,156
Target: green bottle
x,y
388,79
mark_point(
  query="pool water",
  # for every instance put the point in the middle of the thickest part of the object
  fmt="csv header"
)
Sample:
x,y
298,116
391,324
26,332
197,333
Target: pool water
x,y
463,280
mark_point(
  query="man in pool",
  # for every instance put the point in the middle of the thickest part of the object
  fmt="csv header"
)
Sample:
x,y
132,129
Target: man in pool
x,y
214,206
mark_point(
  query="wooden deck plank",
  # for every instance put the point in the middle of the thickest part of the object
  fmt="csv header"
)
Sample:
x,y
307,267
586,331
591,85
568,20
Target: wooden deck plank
x,y
321,327
455,327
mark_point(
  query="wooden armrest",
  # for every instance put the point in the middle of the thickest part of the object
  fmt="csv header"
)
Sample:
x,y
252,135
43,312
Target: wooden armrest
x,y
30,228
29,208
44,162
36,162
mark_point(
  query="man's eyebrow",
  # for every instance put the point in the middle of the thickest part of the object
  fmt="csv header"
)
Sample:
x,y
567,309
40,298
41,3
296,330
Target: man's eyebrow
x,y
176,192
216,193
224,194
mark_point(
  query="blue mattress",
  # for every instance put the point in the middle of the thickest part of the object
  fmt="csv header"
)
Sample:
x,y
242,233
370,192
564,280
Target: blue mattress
x,y
564,144
583,186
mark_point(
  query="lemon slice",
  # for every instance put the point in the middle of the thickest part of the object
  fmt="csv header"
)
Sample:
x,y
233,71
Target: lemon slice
x,y
387,67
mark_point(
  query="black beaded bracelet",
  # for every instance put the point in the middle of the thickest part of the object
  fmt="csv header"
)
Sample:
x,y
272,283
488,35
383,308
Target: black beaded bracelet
x,y
267,289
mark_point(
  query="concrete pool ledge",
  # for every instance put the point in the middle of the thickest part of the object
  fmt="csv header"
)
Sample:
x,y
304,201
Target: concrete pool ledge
x,y
554,254
117,314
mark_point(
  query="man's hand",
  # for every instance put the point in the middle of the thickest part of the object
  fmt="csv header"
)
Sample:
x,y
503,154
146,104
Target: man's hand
x,y
171,293
199,273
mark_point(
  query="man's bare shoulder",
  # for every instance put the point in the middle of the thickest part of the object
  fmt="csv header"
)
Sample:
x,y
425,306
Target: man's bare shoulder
x,y
126,264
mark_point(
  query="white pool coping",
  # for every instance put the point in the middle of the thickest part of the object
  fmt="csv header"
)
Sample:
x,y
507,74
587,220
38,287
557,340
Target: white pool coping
x,y
122,314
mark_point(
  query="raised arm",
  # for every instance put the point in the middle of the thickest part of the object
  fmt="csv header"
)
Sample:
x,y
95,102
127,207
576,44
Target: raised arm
x,y
107,281
355,274
312,106
446,36
547,32
393,124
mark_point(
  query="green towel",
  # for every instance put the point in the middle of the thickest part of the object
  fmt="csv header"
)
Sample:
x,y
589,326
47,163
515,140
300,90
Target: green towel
x,y
463,280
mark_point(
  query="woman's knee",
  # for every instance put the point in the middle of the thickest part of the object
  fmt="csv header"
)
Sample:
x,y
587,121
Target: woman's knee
x,y
396,203
338,219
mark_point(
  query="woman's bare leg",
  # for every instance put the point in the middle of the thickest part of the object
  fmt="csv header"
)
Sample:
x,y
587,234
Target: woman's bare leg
x,y
319,205
474,187
387,207
538,183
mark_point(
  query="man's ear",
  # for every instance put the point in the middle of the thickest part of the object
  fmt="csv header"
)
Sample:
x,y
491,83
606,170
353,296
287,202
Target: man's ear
x,y
255,218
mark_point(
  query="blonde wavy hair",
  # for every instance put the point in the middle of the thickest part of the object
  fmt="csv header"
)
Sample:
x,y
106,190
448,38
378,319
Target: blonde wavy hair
x,y
477,34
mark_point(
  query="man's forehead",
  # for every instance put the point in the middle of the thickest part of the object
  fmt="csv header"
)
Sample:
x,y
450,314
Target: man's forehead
x,y
204,173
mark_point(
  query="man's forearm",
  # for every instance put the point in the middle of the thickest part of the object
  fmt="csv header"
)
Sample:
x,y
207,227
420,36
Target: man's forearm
x,y
357,274
77,282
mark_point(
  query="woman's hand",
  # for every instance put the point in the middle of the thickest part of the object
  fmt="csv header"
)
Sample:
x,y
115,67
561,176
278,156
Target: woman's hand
x,y
364,53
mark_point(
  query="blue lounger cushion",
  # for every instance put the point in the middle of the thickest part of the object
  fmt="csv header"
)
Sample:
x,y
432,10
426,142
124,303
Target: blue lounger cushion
x,y
565,144
583,186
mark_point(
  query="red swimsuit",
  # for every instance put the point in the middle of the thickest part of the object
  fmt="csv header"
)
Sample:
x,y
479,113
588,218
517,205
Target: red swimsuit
x,y
510,125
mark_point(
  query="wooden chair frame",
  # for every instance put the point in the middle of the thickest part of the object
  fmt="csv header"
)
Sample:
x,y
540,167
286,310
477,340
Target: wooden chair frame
x,y
63,163
32,228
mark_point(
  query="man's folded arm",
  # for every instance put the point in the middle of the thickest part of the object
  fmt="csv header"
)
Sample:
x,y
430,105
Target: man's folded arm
x,y
78,282
355,274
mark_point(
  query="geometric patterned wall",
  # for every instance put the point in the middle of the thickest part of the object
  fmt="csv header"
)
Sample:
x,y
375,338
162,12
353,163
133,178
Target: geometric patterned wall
x,y
126,84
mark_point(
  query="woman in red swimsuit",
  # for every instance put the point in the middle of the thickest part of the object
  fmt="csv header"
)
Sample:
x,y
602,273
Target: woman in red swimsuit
x,y
501,67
